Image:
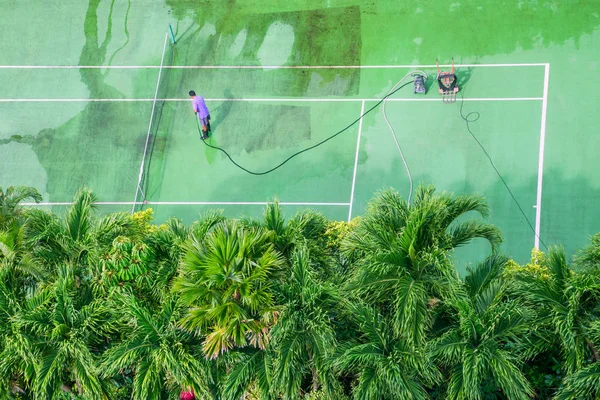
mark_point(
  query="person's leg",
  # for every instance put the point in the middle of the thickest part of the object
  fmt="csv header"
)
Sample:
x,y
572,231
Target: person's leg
x,y
204,122
208,122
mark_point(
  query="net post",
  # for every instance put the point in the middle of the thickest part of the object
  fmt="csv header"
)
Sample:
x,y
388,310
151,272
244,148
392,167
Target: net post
x,y
172,34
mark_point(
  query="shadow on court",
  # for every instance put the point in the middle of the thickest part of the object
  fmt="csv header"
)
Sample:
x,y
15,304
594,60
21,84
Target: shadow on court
x,y
220,114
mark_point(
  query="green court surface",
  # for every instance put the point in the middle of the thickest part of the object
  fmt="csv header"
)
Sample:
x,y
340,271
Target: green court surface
x,y
93,92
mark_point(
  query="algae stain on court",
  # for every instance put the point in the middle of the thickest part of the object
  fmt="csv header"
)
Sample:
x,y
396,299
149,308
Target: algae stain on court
x,y
27,170
277,45
95,147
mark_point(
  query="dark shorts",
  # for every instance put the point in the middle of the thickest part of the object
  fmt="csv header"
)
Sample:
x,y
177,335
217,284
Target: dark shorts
x,y
205,121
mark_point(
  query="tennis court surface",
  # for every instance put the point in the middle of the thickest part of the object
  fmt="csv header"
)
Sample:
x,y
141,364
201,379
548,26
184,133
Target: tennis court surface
x,y
98,97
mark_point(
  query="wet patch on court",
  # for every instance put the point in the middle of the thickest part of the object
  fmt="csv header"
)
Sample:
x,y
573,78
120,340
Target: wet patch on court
x,y
97,148
250,127
329,36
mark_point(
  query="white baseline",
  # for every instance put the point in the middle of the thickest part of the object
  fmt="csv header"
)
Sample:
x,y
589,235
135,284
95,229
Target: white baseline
x,y
268,66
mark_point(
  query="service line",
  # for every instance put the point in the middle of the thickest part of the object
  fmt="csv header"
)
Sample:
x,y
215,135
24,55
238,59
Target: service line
x,y
276,99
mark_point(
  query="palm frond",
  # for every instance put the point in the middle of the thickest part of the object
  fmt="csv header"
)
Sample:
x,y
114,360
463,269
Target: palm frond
x,y
588,258
464,232
79,215
411,317
109,227
508,376
583,384
249,368
10,199
485,273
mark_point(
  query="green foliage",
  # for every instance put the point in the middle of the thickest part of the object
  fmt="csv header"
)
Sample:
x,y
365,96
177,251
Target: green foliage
x,y
385,367
9,203
116,307
304,337
125,262
405,254
161,357
535,269
66,327
143,219
567,304
337,232
227,283
480,350
589,257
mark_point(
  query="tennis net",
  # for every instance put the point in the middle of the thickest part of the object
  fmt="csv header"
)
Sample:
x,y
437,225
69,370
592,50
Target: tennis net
x,y
153,147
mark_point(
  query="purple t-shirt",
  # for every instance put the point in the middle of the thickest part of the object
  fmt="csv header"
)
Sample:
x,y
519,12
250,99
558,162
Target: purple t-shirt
x,y
200,107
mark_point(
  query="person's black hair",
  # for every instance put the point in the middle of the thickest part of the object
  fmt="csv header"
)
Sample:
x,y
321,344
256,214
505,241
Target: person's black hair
x,y
192,93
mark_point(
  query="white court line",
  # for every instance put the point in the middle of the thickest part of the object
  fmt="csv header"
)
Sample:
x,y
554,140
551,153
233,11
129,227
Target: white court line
x,y
245,203
189,203
265,66
362,111
538,206
138,189
277,99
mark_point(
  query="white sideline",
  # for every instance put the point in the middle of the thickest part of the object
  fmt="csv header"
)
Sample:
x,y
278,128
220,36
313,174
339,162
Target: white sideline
x,y
538,206
277,99
362,111
266,66
137,189
188,203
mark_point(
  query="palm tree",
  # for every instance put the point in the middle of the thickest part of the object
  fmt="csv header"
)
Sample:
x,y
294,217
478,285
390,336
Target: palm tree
x,y
305,229
67,326
386,367
568,301
167,248
164,358
227,279
146,265
583,384
405,252
19,357
168,244
20,272
304,337
481,345
79,236
9,202
249,369
568,304
588,258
